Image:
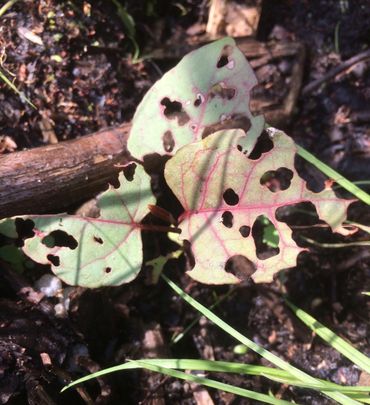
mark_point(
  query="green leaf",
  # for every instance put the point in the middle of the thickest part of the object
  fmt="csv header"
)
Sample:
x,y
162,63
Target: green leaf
x,y
13,256
223,193
209,89
8,228
96,252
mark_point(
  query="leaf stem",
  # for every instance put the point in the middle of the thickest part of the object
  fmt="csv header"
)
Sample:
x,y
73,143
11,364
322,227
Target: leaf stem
x,y
159,228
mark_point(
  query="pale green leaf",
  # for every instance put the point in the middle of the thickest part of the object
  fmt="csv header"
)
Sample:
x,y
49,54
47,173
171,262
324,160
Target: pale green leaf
x,y
96,252
202,173
208,89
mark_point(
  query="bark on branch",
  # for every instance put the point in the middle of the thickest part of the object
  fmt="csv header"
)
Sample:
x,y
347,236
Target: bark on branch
x,y
53,177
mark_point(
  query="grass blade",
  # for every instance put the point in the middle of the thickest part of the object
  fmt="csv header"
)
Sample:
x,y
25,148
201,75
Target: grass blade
x,y
175,339
332,174
14,88
7,6
281,376
336,245
300,375
216,384
332,339
148,365
249,369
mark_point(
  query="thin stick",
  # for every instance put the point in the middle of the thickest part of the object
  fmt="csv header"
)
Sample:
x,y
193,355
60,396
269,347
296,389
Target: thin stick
x,y
335,71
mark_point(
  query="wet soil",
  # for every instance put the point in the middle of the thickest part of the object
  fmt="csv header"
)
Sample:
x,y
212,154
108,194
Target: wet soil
x,y
79,73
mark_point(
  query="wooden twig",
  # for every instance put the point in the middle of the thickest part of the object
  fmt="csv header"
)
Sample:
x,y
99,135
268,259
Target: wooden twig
x,y
54,177
335,71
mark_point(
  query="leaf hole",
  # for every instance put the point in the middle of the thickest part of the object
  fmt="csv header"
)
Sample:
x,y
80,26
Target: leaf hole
x,y
168,141
54,260
240,267
292,215
314,178
199,100
129,171
60,239
264,144
230,197
227,219
107,270
245,231
218,90
24,228
224,57
99,240
277,180
174,110
266,238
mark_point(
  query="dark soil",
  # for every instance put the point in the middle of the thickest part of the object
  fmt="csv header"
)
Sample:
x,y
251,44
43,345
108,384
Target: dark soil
x,y
82,78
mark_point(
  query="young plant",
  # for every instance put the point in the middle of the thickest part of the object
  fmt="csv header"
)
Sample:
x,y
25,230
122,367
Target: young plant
x,y
198,116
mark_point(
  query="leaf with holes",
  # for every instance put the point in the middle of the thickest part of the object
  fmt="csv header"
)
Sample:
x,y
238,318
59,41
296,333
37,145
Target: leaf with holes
x,y
225,193
208,90
95,252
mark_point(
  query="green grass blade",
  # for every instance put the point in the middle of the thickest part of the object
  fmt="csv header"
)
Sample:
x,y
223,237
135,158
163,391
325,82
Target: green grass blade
x,y
220,367
364,228
249,369
332,174
332,339
362,398
336,245
216,384
14,88
148,365
225,367
352,391
175,339
7,6
300,375
281,376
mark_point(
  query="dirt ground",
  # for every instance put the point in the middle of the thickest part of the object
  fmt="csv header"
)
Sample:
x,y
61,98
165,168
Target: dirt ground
x,y
78,71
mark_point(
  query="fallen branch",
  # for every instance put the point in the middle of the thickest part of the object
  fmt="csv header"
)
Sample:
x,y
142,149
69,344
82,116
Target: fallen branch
x,y
53,177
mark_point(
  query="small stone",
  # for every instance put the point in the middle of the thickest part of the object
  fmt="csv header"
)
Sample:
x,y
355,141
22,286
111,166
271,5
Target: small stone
x,y
49,285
